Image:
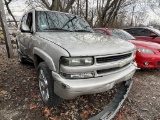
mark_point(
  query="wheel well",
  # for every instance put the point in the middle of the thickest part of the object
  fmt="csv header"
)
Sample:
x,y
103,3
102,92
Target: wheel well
x,y
37,60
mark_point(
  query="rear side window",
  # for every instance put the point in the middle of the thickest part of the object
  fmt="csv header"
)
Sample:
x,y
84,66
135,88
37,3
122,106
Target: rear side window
x,y
143,32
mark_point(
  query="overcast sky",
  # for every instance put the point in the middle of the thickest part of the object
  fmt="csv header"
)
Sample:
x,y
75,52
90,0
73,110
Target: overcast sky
x,y
19,7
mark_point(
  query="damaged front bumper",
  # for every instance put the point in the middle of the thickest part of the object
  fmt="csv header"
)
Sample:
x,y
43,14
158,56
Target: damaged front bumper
x,y
113,107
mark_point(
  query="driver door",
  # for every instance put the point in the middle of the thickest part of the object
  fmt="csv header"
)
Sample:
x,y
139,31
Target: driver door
x,y
26,37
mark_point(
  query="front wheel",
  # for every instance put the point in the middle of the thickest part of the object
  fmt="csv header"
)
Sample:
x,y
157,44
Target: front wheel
x,y
46,86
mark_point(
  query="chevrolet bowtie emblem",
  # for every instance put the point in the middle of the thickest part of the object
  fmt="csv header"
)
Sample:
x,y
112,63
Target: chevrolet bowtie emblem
x,y
122,63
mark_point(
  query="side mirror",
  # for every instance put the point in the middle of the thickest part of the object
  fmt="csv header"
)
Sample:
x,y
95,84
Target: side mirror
x,y
153,35
25,28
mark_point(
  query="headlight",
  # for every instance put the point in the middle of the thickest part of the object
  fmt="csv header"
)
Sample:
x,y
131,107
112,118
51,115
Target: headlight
x,y
84,61
145,51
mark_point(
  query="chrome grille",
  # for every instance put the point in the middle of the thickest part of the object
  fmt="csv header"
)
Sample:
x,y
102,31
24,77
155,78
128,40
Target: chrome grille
x,y
113,58
111,69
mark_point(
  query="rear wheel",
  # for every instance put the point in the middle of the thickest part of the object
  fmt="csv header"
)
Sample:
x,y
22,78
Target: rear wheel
x,y
46,86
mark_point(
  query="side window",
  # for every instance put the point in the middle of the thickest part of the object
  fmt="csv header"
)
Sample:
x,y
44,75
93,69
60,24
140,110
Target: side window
x,y
144,32
29,21
132,31
43,22
100,31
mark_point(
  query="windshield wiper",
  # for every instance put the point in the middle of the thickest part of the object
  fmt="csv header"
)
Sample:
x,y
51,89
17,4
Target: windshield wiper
x,y
69,21
82,31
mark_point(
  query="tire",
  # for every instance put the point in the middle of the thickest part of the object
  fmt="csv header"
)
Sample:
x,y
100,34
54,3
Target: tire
x,y
46,86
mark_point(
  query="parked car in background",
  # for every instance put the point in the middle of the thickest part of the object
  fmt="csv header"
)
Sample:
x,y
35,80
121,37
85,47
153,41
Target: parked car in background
x,y
148,53
145,33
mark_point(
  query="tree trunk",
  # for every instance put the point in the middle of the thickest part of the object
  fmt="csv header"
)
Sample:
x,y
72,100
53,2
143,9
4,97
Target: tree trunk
x,y
132,16
86,17
77,7
5,31
69,5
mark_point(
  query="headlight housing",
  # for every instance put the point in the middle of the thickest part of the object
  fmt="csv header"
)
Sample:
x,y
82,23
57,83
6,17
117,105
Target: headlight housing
x,y
77,61
145,51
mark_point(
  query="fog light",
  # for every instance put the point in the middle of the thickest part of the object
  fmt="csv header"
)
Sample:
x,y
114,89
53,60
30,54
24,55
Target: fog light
x,y
146,63
78,75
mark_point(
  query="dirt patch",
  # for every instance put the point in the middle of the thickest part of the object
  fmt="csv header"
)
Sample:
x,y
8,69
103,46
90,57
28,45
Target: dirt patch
x,y
143,102
1,36
20,99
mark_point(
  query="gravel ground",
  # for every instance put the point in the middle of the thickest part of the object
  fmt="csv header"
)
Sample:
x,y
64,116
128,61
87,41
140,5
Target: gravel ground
x,y
20,99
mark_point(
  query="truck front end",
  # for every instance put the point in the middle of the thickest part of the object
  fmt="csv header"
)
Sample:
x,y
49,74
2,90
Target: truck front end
x,y
89,75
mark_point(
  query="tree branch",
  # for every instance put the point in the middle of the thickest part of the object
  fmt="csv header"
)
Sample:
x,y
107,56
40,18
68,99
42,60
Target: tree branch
x,y
9,11
70,3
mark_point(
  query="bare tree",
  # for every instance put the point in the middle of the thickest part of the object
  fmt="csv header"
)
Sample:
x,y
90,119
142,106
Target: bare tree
x,y
100,13
154,23
133,11
9,10
107,11
5,30
55,5
86,10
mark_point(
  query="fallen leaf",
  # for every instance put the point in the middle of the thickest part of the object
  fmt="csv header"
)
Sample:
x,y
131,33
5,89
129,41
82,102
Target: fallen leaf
x,y
120,116
2,92
32,106
55,118
84,114
35,96
46,112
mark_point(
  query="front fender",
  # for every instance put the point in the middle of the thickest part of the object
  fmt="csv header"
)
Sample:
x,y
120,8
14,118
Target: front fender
x,y
47,59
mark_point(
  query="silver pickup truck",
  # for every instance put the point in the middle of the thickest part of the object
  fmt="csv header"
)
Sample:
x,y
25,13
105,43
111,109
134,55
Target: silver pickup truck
x,y
71,59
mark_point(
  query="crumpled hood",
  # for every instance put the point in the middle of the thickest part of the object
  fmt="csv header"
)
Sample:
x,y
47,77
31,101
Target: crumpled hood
x,y
145,44
87,44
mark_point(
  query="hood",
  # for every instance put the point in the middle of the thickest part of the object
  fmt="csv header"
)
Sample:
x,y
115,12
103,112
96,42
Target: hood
x,y
145,44
87,44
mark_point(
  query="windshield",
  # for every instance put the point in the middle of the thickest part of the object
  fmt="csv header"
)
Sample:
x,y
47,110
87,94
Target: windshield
x,y
121,34
56,21
155,30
